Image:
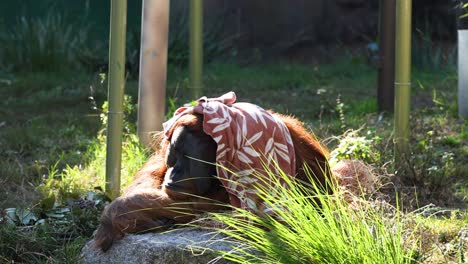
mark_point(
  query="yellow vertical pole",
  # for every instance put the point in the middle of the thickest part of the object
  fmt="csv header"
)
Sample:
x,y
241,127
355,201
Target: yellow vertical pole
x,y
116,85
402,79
153,68
196,47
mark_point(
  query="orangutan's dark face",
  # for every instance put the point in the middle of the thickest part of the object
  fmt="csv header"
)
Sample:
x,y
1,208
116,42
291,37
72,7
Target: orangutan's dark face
x,y
190,160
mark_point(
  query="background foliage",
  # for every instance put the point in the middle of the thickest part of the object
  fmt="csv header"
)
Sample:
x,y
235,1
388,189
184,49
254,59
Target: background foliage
x,y
52,127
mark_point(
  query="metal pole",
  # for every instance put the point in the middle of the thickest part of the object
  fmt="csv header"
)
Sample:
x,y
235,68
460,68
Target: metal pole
x,y
386,88
196,47
116,85
402,79
462,25
153,68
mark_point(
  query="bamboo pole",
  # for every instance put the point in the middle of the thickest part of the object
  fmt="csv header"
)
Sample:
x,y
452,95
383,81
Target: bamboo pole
x,y
196,47
386,80
153,68
116,85
402,79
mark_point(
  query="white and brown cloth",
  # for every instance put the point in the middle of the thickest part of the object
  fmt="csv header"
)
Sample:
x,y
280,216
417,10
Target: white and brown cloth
x,y
249,139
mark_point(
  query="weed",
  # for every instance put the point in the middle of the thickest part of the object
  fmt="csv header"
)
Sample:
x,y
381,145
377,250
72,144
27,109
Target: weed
x,y
452,141
363,107
54,232
129,110
353,146
436,169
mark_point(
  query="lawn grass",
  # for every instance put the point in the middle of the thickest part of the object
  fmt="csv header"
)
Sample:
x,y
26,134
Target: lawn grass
x,y
52,138
295,89
46,119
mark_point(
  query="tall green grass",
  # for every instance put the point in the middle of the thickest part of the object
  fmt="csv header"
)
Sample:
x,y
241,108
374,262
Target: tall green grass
x,y
310,226
47,43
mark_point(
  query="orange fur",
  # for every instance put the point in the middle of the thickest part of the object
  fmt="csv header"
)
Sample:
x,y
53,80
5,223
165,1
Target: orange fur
x,y
309,152
146,204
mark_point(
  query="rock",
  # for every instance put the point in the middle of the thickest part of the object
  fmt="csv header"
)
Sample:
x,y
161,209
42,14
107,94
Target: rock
x,y
179,246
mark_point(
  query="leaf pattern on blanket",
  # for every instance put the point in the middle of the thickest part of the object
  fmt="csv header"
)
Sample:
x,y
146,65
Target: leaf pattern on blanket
x,y
248,138
255,138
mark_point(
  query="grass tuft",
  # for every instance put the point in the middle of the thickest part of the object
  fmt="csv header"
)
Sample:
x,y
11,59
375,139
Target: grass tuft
x,y
310,226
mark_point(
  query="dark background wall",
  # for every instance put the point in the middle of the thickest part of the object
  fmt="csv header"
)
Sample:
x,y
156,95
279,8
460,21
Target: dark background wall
x,y
282,24
96,12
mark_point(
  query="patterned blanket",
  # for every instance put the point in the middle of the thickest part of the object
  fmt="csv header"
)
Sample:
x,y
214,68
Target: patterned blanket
x,y
249,139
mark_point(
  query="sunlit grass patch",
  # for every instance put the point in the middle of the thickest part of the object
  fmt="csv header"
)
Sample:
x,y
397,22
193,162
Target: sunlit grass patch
x,y
75,180
442,234
67,213
310,226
